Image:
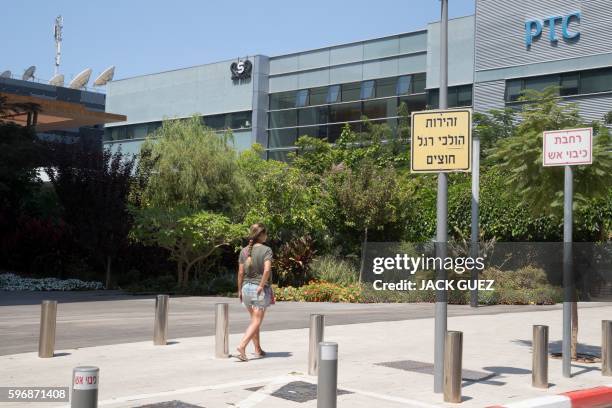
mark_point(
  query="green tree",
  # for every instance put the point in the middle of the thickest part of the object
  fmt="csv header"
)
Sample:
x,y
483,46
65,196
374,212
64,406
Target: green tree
x,y
539,188
185,164
494,125
365,199
190,237
520,156
284,198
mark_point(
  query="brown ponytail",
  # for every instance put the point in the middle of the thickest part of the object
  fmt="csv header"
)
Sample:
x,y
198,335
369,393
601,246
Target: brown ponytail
x,y
255,233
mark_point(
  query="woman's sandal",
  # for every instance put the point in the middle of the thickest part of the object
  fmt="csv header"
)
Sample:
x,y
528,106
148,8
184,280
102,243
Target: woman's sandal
x,y
260,353
241,355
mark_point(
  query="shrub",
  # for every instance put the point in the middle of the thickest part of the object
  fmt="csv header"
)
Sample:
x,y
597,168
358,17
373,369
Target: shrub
x,y
12,282
292,265
320,291
335,270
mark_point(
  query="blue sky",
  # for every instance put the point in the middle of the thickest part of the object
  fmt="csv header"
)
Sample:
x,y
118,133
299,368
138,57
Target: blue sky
x,y
141,37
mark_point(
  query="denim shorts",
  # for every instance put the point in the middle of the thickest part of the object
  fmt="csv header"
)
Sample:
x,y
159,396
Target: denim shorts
x,y
250,298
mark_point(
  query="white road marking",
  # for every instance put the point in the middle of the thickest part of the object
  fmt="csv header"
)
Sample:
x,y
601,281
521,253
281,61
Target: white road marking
x,y
263,393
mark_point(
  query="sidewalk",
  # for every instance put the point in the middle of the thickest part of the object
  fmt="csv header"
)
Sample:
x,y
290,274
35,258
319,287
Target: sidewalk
x,y
497,353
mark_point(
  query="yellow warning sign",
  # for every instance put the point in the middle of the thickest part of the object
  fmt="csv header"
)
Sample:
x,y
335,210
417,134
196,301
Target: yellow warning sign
x,y
441,141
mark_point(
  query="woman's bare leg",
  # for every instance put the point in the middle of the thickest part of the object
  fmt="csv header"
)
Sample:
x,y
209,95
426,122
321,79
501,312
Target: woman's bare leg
x,y
255,338
256,319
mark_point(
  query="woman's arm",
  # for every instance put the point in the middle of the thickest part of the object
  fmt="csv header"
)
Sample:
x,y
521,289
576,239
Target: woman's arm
x,y
240,279
265,276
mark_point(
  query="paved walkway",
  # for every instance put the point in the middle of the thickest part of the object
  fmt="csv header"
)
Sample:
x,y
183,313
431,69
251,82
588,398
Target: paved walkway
x,y
98,318
496,352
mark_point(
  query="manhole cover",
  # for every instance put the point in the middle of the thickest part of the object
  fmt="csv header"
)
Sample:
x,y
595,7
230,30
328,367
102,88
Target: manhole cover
x,y
170,404
297,391
428,368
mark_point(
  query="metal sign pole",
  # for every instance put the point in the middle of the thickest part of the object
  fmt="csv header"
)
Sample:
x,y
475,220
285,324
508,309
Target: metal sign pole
x,y
567,269
475,202
441,216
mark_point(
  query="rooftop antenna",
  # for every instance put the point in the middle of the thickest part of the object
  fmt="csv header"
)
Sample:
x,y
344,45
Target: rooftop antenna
x,y
57,33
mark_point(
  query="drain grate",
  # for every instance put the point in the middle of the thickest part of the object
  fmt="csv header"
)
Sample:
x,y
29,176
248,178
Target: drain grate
x,y
297,391
428,368
170,404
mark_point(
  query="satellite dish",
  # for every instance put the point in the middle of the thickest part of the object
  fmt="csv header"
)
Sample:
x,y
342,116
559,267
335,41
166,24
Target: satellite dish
x,y
105,76
29,73
5,74
80,80
57,80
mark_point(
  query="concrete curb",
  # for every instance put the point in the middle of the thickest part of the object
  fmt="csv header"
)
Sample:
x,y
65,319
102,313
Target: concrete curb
x,y
598,397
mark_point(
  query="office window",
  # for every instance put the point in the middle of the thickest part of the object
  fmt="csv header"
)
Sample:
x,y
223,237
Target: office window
x,y
569,83
345,112
318,96
386,87
282,137
367,90
301,98
596,81
414,103
282,100
280,155
351,92
418,83
313,131
313,116
514,89
541,83
403,84
334,132
215,121
380,108
464,95
239,120
284,118
333,94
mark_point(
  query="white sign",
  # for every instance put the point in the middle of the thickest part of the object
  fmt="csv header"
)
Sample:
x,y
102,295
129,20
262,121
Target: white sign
x,y
85,380
568,147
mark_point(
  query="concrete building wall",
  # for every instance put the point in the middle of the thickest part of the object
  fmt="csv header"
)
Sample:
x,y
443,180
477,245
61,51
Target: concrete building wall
x,y
460,52
205,90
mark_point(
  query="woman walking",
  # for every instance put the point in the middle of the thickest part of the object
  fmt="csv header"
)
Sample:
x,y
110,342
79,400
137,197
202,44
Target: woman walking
x,y
254,269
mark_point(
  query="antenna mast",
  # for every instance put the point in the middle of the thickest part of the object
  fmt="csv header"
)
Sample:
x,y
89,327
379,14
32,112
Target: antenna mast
x,y
57,33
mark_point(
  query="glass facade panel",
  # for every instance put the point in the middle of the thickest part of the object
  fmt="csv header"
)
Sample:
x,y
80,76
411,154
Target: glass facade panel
x,y
284,118
334,132
541,83
313,131
570,84
367,90
282,137
464,95
414,103
239,120
380,108
282,100
514,88
280,155
313,116
301,98
333,94
318,96
345,112
386,87
403,84
351,92
418,83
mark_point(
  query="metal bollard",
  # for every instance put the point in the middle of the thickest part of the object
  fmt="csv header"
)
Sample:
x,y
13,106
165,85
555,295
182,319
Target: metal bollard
x,y
317,326
221,330
160,332
539,369
453,354
46,339
85,382
327,381
606,348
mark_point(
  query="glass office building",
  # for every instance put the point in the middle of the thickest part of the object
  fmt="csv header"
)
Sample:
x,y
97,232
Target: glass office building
x,y
494,55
